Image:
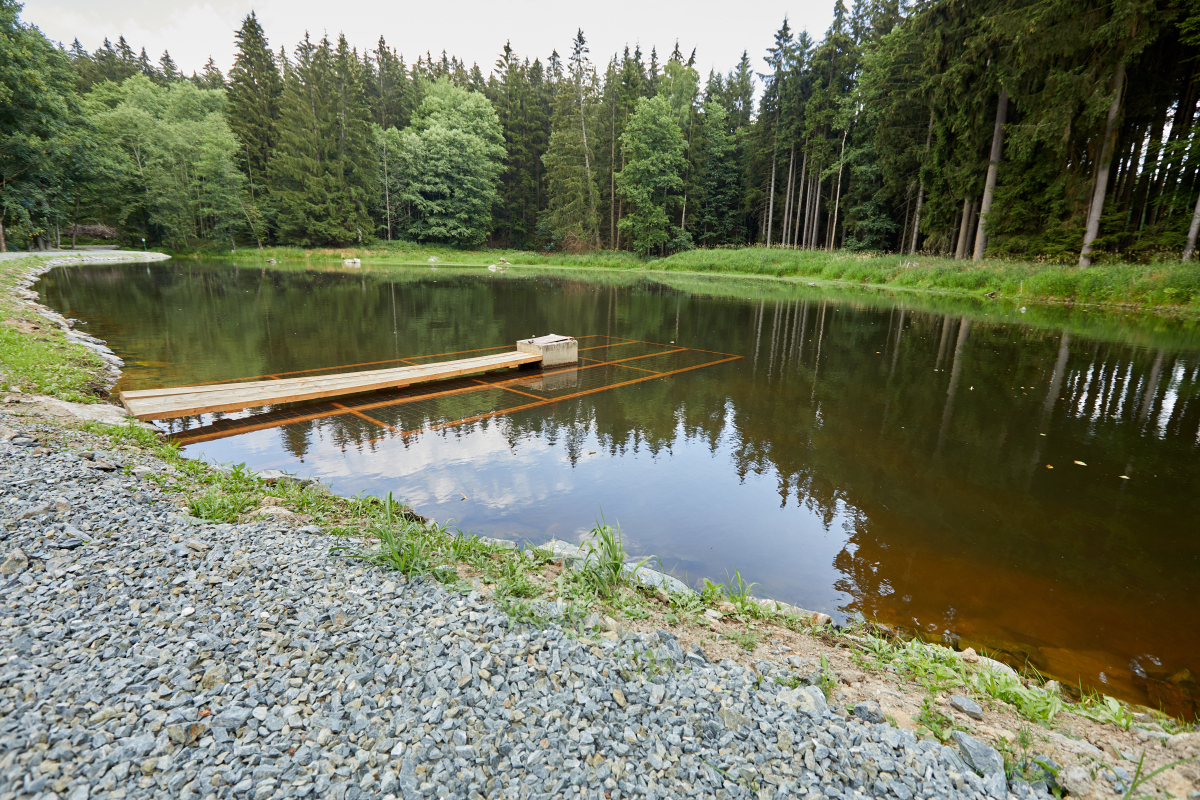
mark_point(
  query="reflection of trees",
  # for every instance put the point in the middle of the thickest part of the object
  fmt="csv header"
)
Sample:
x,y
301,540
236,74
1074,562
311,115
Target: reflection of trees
x,y
297,438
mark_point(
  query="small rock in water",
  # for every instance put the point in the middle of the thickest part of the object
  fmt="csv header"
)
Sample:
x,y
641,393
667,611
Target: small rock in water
x,y
16,563
967,706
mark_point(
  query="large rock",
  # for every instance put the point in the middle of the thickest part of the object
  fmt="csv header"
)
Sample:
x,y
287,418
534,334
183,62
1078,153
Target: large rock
x,y
979,756
1077,780
966,705
817,618
870,712
653,579
16,563
806,699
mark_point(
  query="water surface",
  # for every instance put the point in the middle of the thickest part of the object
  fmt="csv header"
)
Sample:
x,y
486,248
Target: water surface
x,y
1021,482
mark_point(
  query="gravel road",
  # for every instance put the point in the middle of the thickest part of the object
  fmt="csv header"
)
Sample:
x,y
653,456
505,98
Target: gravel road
x,y
145,655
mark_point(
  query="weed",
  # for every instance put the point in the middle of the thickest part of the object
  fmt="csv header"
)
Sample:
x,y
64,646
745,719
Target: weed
x,y
1033,703
512,580
738,592
645,664
521,612
218,506
933,721
604,560
825,678
791,681
1103,709
744,639
630,604
1138,778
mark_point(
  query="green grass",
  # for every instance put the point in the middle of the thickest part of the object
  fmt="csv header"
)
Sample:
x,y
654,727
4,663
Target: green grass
x,y
41,361
1166,285
46,363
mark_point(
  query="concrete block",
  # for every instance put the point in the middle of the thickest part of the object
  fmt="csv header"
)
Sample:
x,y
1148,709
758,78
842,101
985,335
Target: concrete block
x,y
553,349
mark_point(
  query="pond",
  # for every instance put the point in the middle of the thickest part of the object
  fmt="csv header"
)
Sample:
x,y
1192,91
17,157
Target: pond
x,y
1021,481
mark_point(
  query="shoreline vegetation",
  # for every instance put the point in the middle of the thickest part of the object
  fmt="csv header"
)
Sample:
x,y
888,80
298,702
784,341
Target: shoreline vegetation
x,y
591,591
1162,287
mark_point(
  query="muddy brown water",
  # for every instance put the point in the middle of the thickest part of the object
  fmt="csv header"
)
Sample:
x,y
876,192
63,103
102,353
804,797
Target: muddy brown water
x,y
1021,482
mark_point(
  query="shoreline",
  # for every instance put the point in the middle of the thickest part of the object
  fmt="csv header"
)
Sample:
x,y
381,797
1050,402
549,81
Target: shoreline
x,y
1154,280
542,589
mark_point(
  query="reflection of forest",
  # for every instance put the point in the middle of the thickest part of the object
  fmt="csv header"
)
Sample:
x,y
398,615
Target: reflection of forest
x,y
933,432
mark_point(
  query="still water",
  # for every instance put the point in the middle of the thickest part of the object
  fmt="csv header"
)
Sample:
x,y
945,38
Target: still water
x,y
1024,482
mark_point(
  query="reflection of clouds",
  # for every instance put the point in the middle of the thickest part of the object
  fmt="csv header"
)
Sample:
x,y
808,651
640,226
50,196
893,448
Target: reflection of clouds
x,y
684,502
439,467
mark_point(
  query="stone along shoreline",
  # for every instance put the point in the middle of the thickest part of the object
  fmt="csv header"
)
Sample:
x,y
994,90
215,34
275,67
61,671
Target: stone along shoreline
x,y
165,658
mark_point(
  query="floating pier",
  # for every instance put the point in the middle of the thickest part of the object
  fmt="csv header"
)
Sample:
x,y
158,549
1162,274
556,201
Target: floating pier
x,y
188,401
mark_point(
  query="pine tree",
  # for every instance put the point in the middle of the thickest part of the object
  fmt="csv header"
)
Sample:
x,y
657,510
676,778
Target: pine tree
x,y
255,87
167,68
322,175
571,212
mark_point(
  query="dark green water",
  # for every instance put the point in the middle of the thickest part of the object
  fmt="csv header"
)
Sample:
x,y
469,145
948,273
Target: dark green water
x,y
867,454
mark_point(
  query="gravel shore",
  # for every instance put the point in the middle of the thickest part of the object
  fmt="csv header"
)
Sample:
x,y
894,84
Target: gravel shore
x,y
145,655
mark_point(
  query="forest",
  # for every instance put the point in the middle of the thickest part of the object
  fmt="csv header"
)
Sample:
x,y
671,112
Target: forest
x,y
1053,130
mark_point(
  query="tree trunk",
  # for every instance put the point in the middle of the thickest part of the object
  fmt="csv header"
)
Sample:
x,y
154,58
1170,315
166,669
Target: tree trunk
x,y
587,164
921,189
75,221
1131,179
814,212
838,199
787,203
960,250
387,197
771,202
1106,153
797,228
612,180
3,244
971,228
989,185
1190,247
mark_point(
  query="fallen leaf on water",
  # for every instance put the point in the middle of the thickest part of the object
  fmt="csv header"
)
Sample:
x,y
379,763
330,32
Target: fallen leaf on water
x,y
1049,466
1123,477
1080,463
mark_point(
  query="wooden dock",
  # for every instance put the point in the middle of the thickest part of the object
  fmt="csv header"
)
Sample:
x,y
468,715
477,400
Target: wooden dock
x,y
189,401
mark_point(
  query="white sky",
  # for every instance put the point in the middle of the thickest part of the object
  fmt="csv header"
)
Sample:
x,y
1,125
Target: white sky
x,y
473,30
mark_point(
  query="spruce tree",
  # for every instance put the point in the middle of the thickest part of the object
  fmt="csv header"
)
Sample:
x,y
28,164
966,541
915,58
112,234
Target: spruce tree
x,y
571,212
322,175
255,87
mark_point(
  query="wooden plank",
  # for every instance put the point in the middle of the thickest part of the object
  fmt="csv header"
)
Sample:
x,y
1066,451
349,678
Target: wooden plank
x,y
184,401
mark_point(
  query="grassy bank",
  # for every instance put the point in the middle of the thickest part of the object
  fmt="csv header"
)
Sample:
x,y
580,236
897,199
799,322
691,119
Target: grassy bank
x,y
35,356
1168,287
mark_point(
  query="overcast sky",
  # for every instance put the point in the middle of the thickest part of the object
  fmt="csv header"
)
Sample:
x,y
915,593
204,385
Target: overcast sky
x,y
473,30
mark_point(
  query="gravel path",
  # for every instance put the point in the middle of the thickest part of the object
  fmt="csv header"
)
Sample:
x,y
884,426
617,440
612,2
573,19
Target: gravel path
x,y
142,655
